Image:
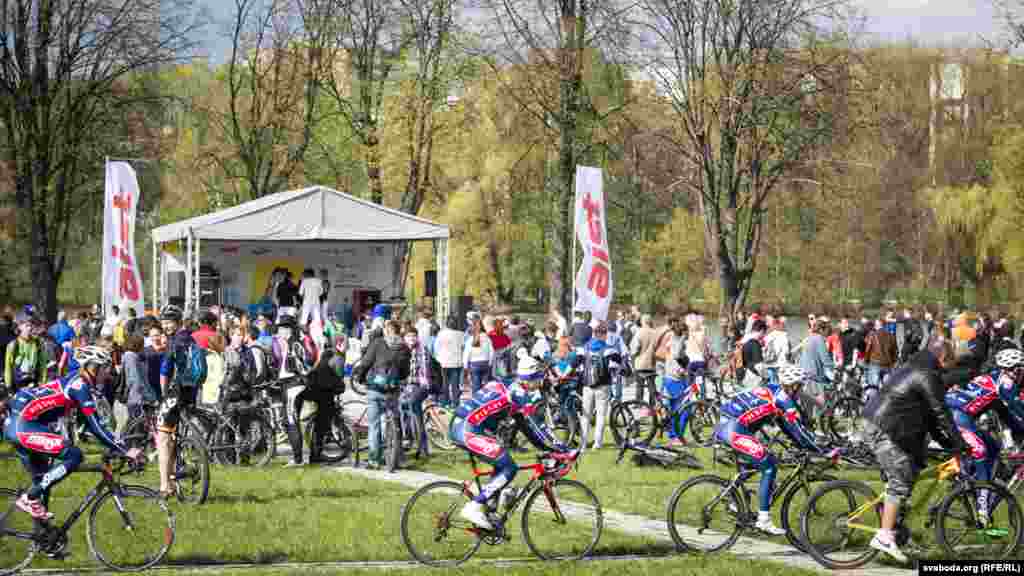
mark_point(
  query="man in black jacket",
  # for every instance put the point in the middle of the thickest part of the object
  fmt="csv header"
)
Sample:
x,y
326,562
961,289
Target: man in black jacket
x,y
913,335
899,421
383,367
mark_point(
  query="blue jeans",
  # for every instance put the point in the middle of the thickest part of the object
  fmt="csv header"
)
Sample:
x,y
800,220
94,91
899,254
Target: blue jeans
x,y
617,382
478,374
874,375
376,405
413,400
452,392
773,376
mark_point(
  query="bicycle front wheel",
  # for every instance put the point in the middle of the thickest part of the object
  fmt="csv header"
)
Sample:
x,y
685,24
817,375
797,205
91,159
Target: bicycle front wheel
x,y
130,528
703,418
191,470
844,422
704,515
392,442
825,524
562,520
966,532
337,443
432,529
16,546
635,420
794,501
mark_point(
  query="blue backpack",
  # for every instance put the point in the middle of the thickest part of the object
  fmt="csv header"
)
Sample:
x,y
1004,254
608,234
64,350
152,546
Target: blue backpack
x,y
190,368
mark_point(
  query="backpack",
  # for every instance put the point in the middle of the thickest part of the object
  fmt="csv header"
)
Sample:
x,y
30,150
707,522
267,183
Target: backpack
x,y
190,367
595,371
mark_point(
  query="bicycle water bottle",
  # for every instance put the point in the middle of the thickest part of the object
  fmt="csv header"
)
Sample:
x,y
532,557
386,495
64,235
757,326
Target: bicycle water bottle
x,y
507,498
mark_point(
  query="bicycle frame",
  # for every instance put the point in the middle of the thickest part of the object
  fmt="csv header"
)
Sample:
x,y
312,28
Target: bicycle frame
x,y
910,512
538,475
803,469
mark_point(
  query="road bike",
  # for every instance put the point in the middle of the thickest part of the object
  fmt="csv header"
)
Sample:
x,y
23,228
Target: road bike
x,y
842,517
561,519
708,513
130,527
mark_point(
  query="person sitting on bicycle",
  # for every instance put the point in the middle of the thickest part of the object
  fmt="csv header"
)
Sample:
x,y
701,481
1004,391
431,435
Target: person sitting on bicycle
x,y
969,402
477,418
677,389
898,422
33,410
746,413
565,362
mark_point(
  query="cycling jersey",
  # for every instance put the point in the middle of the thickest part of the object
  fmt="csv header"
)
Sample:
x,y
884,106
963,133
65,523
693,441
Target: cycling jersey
x,y
970,401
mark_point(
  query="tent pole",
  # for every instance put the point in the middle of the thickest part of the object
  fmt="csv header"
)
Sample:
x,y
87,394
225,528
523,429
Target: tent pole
x,y
196,269
188,273
153,276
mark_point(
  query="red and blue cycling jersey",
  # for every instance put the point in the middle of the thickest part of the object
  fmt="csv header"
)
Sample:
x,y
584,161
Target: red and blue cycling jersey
x,y
753,409
47,404
995,391
495,402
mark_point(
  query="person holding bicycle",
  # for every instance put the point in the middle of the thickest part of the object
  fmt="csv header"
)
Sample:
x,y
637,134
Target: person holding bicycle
x,y
476,420
384,367
746,413
1001,392
898,422
33,410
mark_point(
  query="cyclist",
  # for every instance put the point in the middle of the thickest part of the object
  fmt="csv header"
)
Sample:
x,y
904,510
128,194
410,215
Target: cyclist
x,y
747,412
33,410
478,418
898,421
969,402
176,388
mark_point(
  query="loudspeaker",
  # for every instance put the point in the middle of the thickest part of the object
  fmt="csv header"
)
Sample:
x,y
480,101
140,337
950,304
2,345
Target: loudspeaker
x,y
460,306
430,281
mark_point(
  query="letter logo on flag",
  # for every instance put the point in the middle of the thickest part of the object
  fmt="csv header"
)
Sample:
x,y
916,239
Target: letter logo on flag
x,y
122,283
594,279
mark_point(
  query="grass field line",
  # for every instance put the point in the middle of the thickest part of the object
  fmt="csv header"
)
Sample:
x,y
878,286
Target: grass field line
x,y
633,524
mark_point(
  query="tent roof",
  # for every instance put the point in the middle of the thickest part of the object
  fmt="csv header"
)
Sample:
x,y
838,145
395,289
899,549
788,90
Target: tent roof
x,y
316,213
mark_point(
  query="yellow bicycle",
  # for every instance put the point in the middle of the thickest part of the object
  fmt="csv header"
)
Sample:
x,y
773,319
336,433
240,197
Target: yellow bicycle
x,y
841,517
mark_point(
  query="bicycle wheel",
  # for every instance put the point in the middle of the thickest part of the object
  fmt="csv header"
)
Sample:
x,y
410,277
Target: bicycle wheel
x,y
703,418
357,387
620,419
191,470
432,530
16,552
259,448
562,520
704,515
644,421
392,441
336,444
224,446
437,420
793,502
825,529
844,422
130,528
964,535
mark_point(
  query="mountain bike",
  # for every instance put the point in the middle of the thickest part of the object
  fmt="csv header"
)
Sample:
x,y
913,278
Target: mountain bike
x,y
842,516
561,518
191,473
639,422
664,456
130,527
709,513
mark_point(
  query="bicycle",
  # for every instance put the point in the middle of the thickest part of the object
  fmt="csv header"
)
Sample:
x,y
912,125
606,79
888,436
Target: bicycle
x,y
639,418
191,474
842,516
549,511
124,521
729,500
664,456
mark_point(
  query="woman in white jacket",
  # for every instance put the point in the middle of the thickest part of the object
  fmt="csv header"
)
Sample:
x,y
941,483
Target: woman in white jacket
x,y
476,356
449,348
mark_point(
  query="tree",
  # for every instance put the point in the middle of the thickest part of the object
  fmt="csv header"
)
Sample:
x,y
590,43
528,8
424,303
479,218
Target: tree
x,y
65,70
749,82
674,260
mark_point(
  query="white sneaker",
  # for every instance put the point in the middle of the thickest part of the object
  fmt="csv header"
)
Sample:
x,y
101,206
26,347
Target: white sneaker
x,y
889,548
477,514
769,528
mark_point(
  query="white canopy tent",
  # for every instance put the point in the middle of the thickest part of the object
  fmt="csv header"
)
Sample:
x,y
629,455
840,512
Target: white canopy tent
x,y
317,227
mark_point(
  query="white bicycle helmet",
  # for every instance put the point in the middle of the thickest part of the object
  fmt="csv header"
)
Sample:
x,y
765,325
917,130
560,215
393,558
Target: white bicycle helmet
x,y
791,374
87,355
171,312
1009,359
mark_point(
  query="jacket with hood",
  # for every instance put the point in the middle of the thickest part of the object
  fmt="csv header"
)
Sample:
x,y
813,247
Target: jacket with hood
x,y
387,358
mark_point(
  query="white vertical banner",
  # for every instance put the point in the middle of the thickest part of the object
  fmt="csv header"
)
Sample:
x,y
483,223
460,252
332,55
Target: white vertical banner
x,y
122,283
594,278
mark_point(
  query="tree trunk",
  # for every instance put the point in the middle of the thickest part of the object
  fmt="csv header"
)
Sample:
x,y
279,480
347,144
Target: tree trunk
x,y
373,166
569,88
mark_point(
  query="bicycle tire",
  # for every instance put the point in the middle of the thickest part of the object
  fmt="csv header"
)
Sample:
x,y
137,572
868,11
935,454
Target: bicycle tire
x,y
574,508
357,386
791,522
702,422
262,447
392,443
819,551
997,492
734,506
620,419
644,423
191,461
11,547
223,446
437,432
121,507
442,522
337,444
845,408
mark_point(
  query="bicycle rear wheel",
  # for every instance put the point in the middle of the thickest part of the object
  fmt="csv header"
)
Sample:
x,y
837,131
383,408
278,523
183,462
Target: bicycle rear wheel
x,y
16,552
638,422
191,470
703,418
825,529
704,515
337,443
392,442
130,528
432,530
844,422
562,520
963,534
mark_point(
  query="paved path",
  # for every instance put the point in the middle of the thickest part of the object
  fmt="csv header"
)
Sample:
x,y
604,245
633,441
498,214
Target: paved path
x,y
642,526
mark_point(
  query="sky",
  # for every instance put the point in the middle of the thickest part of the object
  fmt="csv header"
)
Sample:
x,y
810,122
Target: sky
x,y
932,22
